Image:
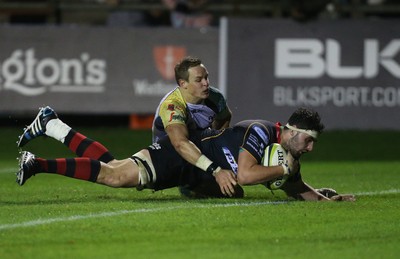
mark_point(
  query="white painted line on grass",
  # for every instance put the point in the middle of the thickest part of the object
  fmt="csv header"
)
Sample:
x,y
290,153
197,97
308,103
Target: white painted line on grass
x,y
122,212
392,191
8,170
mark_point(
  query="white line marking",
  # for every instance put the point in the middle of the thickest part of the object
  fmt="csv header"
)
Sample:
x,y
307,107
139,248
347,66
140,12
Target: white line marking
x,y
392,191
122,212
8,170
143,210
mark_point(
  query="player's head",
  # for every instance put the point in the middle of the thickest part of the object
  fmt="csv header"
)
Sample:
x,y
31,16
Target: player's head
x,y
306,119
182,68
192,77
301,131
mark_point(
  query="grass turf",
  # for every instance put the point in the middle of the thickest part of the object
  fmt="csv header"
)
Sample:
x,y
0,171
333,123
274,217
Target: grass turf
x,y
57,217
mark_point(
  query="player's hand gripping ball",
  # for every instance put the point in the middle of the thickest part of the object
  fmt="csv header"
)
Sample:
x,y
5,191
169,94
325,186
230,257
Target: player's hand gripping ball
x,y
275,155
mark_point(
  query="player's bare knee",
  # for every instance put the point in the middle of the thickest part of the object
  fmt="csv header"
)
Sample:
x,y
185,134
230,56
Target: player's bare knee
x,y
118,173
109,176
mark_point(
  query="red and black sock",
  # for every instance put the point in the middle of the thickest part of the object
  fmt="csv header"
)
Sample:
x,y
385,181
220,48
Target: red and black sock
x,y
85,147
82,168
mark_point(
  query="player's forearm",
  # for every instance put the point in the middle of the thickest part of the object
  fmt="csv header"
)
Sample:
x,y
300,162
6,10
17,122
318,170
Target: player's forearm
x,y
308,193
258,174
191,153
313,196
188,151
178,135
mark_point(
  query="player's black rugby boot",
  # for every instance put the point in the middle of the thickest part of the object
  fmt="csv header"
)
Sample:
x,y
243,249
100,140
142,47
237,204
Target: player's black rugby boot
x,y
38,126
28,166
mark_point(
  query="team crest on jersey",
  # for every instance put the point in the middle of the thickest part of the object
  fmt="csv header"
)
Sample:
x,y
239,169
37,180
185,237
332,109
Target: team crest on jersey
x,y
166,57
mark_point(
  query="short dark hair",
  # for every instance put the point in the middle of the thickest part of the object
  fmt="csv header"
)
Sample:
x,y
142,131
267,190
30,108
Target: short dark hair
x,y
181,69
306,119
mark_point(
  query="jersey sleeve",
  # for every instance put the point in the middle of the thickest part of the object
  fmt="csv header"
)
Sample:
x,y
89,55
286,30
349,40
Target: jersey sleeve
x,y
222,110
172,112
255,140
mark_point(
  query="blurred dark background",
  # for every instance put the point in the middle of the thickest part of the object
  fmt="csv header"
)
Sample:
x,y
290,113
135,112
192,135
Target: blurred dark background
x,y
186,13
173,13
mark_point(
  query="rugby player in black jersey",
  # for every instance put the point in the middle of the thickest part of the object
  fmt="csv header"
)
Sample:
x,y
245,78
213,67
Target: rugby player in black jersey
x,y
238,149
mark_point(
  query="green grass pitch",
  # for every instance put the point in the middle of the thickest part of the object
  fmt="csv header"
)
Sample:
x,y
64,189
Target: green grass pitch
x,y
58,217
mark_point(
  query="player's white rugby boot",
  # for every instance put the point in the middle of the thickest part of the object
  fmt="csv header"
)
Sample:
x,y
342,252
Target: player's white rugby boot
x,y
27,167
38,126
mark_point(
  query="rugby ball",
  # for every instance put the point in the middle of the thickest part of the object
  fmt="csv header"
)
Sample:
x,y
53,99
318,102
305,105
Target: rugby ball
x,y
274,155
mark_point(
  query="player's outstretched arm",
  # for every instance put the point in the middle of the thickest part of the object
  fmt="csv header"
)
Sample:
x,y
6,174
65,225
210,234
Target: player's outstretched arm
x,y
302,191
344,197
299,190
